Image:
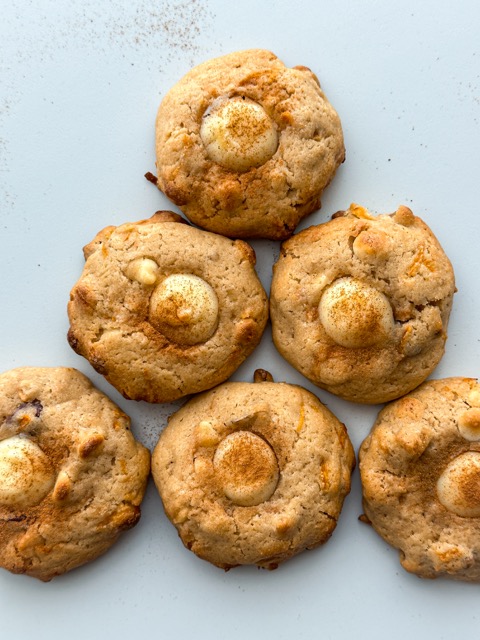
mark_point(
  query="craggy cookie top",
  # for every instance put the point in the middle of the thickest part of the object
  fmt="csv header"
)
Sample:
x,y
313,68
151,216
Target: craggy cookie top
x,y
72,475
360,304
163,310
420,470
245,145
253,473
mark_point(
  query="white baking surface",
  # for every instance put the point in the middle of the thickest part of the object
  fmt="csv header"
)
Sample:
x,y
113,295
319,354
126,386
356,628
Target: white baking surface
x,y
80,85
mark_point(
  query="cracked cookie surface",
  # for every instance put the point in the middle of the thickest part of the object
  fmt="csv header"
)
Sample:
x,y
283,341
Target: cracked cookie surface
x,y
245,146
163,310
253,473
360,304
420,471
72,474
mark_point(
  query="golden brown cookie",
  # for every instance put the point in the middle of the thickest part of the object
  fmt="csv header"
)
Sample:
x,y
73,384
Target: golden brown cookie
x,y
163,310
245,145
420,470
253,473
360,304
72,474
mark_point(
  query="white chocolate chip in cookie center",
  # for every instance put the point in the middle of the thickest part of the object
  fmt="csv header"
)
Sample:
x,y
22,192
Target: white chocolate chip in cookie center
x,y
238,134
246,468
184,308
354,314
458,488
26,475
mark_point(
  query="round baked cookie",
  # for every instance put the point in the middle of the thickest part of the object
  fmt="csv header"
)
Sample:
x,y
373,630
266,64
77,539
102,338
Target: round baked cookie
x,y
253,473
163,310
360,304
420,470
72,476
245,146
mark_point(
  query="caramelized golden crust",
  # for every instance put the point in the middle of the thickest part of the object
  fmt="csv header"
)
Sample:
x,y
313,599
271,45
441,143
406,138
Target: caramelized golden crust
x,y
72,476
246,146
253,473
360,304
163,310
420,473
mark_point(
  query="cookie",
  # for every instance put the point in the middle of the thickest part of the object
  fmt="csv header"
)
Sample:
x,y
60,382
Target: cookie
x,y
420,471
163,310
360,304
72,474
253,473
245,145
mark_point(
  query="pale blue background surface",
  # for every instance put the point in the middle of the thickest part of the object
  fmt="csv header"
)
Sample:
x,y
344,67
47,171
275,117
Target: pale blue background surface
x,y
80,85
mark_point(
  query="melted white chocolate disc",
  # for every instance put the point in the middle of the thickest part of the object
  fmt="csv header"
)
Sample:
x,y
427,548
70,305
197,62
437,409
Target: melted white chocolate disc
x,y
246,468
184,308
458,488
354,314
238,134
26,475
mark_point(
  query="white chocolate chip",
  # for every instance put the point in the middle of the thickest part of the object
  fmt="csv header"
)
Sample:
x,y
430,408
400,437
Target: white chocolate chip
x,y
246,468
26,475
185,309
202,467
206,434
458,488
469,424
354,314
238,134
474,396
143,270
371,245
